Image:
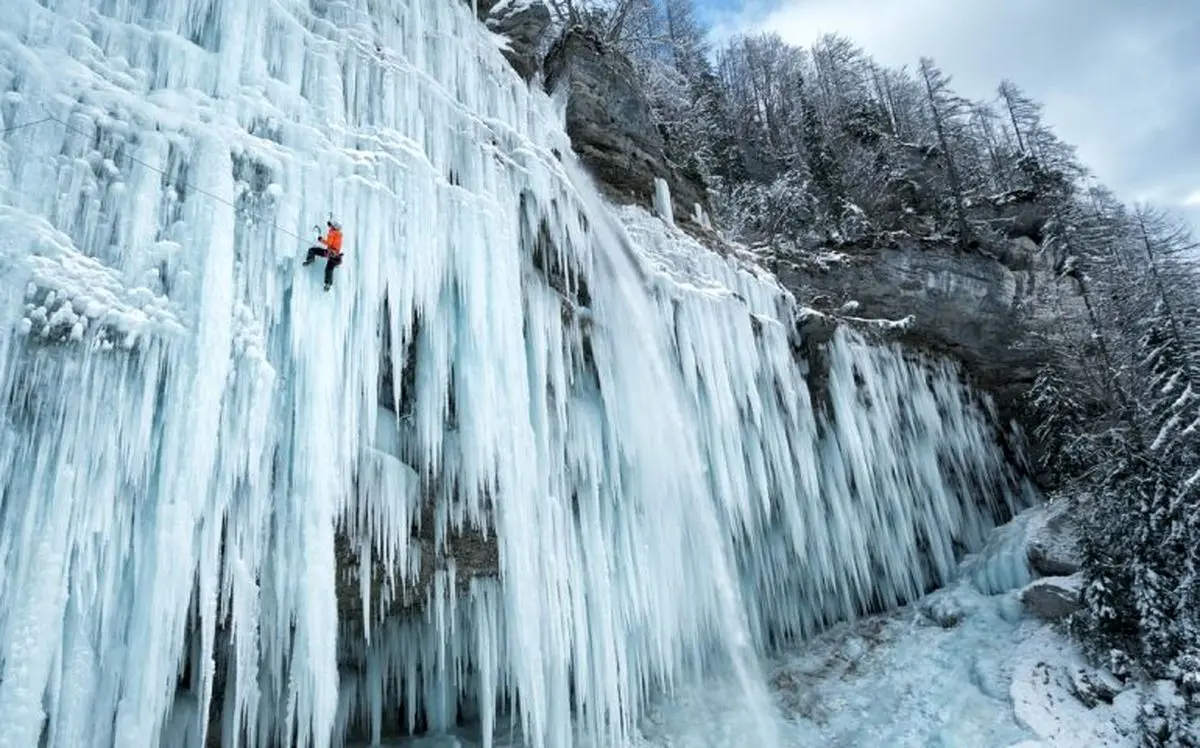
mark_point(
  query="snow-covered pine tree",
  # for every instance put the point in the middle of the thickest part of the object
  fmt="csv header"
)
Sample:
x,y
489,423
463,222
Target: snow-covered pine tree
x,y
1140,555
945,109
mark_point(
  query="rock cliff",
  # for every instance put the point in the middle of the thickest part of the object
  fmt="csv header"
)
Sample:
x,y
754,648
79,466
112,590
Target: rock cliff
x,y
612,127
983,311
522,25
608,115
993,307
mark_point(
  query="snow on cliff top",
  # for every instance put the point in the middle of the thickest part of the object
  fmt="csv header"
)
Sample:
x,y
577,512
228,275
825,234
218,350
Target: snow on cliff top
x,y
68,292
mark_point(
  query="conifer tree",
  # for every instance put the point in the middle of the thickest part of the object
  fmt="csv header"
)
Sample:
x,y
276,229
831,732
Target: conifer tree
x,y
944,107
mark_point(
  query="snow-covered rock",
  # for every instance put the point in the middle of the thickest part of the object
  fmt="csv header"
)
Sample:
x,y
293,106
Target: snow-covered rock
x,y
523,25
970,307
1094,687
1053,543
1045,698
1051,598
612,127
944,610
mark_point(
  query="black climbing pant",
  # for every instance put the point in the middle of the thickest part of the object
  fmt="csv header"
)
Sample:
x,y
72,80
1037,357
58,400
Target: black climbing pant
x,y
330,264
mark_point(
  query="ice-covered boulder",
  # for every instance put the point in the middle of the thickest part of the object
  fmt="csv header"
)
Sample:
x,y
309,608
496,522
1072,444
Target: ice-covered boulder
x,y
1053,545
1094,687
1052,598
1003,563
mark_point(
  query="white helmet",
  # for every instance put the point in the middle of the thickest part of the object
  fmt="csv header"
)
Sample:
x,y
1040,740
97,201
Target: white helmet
x,y
334,223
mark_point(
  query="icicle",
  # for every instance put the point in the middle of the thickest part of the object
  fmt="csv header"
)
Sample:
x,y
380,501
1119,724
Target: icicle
x,y
662,201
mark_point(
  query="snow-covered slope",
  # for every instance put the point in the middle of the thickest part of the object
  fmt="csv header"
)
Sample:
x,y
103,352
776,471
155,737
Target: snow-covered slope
x,y
187,418
965,666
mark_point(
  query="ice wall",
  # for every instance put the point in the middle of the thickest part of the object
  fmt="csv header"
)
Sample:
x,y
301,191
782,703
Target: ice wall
x,y
187,421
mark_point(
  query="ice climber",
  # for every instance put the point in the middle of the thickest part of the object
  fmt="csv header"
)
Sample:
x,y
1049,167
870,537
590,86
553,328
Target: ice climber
x,y
332,249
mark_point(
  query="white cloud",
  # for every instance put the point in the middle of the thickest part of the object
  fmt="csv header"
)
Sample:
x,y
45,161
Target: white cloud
x,y
1192,200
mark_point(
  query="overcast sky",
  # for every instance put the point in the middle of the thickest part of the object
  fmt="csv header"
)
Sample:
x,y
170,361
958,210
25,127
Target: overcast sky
x,y
1119,79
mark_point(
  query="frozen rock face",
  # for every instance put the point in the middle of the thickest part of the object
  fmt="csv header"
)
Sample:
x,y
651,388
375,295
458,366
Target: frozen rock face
x,y
995,307
565,459
611,125
522,26
1034,553
1053,541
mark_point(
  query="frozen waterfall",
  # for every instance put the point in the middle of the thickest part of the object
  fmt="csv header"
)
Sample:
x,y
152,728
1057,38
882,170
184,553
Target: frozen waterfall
x,y
560,456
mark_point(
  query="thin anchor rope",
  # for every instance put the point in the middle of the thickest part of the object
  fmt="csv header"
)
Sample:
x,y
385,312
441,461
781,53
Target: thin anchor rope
x,y
258,218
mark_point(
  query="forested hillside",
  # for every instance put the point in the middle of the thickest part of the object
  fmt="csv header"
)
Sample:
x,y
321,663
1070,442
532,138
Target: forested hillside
x,y
807,150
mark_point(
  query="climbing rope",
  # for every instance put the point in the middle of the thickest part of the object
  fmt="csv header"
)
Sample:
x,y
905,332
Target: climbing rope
x,y
256,218
14,128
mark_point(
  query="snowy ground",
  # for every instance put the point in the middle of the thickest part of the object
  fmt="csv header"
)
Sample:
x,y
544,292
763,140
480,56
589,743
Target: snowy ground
x,y
959,668
996,678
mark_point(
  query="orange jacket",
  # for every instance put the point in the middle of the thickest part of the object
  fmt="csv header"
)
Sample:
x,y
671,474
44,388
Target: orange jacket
x,y
333,240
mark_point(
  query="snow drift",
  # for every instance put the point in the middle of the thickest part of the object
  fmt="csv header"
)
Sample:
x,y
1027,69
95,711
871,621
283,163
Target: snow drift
x,y
187,421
